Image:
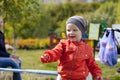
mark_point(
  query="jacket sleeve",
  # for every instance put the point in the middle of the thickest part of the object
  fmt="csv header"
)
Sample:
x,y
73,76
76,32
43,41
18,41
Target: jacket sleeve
x,y
92,65
55,53
4,54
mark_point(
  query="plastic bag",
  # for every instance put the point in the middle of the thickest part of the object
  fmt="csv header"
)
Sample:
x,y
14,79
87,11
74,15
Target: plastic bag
x,y
108,50
111,54
103,42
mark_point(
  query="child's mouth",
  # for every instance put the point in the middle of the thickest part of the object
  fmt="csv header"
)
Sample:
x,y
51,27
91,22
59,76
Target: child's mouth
x,y
71,36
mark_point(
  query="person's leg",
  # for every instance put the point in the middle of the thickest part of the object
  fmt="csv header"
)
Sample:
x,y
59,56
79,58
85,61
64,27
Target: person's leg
x,y
58,77
89,77
16,75
6,62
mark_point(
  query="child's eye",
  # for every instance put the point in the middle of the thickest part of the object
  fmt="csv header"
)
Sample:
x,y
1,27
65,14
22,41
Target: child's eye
x,y
75,30
68,30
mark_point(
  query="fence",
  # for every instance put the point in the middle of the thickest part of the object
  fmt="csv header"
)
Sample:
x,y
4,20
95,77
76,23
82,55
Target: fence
x,y
31,77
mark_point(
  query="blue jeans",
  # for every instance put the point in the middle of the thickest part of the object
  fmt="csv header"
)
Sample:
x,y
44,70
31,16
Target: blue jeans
x,y
9,62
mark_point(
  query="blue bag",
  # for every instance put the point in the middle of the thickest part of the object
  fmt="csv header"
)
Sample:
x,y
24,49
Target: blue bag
x,y
103,42
108,50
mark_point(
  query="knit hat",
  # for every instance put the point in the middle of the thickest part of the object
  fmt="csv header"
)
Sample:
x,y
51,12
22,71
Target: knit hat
x,y
79,21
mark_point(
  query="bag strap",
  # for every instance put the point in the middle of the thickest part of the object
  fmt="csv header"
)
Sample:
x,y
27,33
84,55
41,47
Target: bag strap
x,y
113,34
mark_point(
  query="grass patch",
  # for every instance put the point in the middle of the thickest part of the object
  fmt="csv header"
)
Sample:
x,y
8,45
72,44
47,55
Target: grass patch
x,y
31,60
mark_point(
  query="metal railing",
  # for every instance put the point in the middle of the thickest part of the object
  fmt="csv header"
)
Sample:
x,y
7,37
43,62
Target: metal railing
x,y
43,72
28,74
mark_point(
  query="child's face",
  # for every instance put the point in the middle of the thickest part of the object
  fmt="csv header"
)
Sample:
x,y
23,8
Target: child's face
x,y
73,32
1,23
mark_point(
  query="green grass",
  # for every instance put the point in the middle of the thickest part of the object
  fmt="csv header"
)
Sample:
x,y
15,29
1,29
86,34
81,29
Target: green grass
x,y
110,72
31,60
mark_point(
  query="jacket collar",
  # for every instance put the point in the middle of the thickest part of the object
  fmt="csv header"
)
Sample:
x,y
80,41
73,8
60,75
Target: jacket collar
x,y
77,43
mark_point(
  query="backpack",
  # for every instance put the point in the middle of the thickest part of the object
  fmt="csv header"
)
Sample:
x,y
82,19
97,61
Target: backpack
x,y
108,53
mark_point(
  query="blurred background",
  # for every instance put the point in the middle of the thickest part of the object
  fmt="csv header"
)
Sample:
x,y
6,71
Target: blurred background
x,y
32,26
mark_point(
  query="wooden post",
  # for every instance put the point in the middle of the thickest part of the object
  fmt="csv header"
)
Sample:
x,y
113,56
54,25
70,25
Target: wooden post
x,y
53,37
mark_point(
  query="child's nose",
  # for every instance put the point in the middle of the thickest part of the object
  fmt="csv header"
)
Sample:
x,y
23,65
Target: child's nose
x,y
71,32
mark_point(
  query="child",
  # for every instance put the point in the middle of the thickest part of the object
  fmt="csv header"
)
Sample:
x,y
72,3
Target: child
x,y
74,56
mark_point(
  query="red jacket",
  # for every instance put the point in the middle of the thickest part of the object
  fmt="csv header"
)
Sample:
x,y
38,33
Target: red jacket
x,y
75,60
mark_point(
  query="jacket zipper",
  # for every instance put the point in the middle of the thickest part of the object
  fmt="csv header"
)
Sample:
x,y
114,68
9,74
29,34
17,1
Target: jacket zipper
x,y
72,65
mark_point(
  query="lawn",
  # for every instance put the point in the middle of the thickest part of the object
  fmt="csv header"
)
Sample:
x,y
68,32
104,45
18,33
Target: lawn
x,y
31,60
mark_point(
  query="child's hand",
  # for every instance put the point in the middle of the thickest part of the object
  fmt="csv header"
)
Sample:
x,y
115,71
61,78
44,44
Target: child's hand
x,y
44,59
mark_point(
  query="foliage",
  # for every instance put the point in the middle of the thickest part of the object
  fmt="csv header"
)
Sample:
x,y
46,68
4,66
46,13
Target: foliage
x,y
118,13
66,10
106,12
115,1
34,19
24,17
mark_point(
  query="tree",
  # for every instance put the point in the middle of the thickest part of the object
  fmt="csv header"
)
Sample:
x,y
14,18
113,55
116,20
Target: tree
x,y
15,12
106,12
